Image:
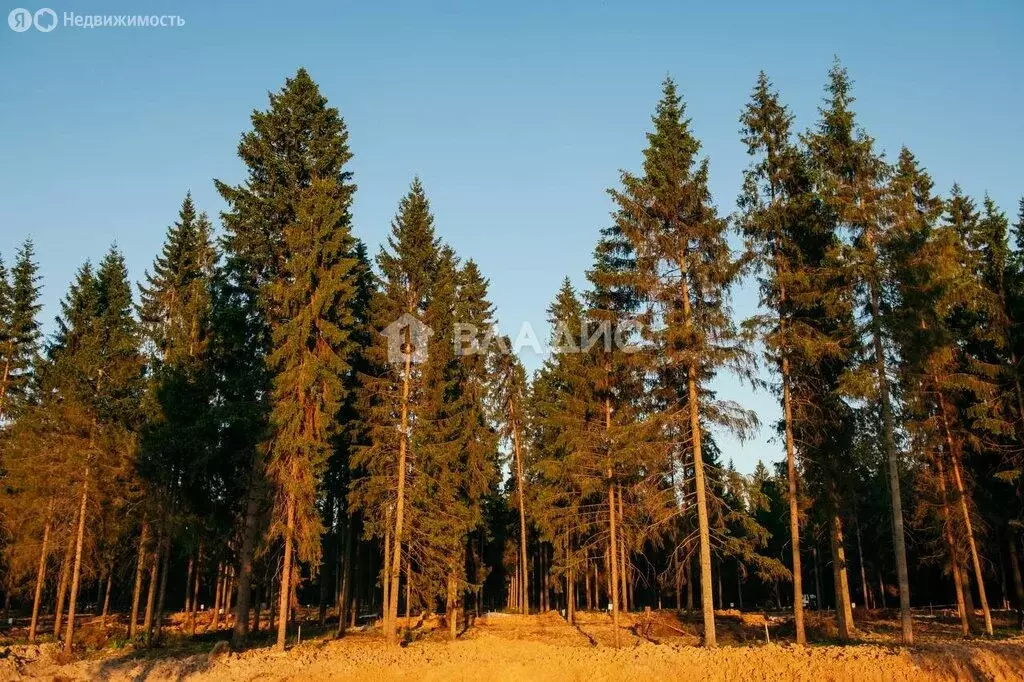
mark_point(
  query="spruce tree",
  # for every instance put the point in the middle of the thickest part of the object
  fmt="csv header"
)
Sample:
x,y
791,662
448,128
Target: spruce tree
x,y
19,330
178,439
687,268
778,222
297,139
851,181
96,365
392,395
312,343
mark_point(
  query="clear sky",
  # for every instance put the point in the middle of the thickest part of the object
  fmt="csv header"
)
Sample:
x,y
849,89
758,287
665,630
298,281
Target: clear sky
x,y
516,115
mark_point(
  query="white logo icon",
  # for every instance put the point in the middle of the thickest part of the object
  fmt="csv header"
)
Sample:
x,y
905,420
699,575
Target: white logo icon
x,y
45,20
20,19
407,340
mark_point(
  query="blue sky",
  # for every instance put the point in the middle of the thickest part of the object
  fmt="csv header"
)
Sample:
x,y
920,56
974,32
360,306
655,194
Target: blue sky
x,y
517,116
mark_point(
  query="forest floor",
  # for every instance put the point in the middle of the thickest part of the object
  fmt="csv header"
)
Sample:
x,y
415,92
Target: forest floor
x,y
503,647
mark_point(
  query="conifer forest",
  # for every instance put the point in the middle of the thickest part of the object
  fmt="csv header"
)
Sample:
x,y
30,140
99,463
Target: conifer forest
x,y
282,431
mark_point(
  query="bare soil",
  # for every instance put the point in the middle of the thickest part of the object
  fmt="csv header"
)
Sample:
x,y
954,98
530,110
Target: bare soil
x,y
504,647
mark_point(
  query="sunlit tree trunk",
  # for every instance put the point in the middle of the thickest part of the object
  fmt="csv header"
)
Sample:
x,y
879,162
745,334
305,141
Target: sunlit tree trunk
x,y
286,575
966,514
703,529
613,577
794,507
954,555
452,609
892,461
77,573
623,570
514,421
403,443
140,567
154,570
839,573
40,574
62,586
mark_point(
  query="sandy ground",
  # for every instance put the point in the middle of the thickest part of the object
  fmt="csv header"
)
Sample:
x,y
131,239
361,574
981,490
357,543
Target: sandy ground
x,y
500,648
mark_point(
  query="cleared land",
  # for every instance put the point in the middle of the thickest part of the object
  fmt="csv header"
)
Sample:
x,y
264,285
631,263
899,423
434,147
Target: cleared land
x,y
500,647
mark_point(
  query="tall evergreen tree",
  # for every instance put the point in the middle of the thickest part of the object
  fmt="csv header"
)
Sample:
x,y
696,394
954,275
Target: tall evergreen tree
x,y
779,222
686,268
392,398
297,139
311,349
179,438
851,180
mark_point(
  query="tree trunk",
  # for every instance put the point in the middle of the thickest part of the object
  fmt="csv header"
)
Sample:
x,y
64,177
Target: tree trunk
x,y
343,593
408,593
452,609
249,531
77,573
140,567
1015,568
794,507
272,612
158,618
4,381
586,586
257,607
154,569
623,570
106,597
385,576
194,587
286,576
689,585
678,582
326,564
524,607
892,459
968,525
188,585
228,592
218,597
739,587
396,558
954,555
613,577
817,579
721,604
844,614
570,596
863,570
41,575
62,587
613,564
702,512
